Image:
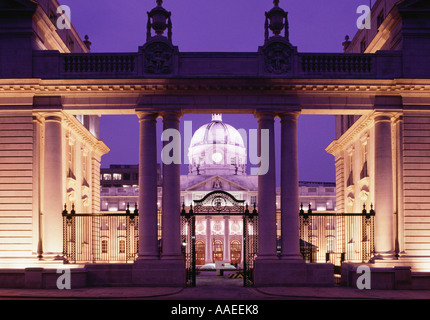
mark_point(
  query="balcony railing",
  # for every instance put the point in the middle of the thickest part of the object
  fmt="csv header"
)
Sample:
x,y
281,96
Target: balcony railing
x,y
109,237
100,63
337,63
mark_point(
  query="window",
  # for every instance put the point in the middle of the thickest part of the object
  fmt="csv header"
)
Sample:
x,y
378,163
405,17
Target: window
x,y
121,246
321,206
380,19
71,44
104,225
117,176
53,17
253,200
312,190
363,46
104,246
107,176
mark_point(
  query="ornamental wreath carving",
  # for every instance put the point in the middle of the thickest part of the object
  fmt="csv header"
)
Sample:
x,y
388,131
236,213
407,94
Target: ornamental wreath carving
x,y
277,58
158,59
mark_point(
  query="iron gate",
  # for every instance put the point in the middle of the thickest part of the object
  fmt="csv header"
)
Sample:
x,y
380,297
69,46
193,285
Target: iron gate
x,y
219,203
337,237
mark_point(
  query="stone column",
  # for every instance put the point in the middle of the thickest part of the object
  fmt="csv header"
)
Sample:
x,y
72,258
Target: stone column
x,y
290,238
208,240
171,187
266,187
226,238
384,216
148,242
53,186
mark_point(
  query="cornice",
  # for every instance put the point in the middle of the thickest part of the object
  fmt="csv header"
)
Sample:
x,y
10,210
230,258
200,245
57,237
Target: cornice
x,y
39,86
83,135
355,132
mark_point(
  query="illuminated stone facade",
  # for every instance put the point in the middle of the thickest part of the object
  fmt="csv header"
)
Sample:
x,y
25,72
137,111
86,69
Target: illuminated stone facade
x,y
382,97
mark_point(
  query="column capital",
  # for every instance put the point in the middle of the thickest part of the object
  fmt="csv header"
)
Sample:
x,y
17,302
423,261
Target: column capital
x,y
289,115
53,118
171,115
387,116
265,114
57,116
146,115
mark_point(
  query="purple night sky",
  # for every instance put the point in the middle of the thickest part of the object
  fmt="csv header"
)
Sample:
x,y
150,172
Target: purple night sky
x,y
222,26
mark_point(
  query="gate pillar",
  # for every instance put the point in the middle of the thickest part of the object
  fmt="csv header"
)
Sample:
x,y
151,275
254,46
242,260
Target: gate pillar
x,y
148,242
266,187
171,235
290,238
149,269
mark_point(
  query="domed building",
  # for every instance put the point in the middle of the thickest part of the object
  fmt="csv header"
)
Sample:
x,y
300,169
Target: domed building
x,y
217,157
217,148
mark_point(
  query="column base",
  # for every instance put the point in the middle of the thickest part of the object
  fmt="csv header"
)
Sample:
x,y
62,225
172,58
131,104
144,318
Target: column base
x,y
292,257
290,273
160,273
385,256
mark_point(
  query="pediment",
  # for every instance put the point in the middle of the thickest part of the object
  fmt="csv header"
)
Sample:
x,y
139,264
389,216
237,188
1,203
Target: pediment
x,y
217,183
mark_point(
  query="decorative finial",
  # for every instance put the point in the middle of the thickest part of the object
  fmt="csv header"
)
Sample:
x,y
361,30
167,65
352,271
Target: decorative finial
x,y
276,21
346,43
216,117
159,20
87,42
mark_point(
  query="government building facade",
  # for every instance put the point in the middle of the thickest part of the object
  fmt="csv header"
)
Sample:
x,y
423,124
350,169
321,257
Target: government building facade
x,y
55,214
217,158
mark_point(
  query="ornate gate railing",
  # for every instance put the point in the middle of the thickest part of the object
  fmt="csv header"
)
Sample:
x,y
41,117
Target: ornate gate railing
x,y
219,203
103,237
337,237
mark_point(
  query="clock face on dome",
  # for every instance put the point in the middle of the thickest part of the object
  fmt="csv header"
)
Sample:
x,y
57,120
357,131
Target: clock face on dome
x,y
217,157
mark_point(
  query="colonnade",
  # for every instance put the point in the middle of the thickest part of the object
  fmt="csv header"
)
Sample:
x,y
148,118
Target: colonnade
x,y
148,242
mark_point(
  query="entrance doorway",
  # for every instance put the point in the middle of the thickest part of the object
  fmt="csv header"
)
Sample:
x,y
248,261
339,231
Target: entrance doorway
x,y
219,203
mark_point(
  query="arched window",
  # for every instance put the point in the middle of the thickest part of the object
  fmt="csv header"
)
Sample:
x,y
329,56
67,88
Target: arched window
x,y
218,250
200,252
235,252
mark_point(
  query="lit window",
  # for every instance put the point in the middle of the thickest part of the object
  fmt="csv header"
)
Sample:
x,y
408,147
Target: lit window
x,y
321,207
104,225
104,246
107,176
121,246
117,176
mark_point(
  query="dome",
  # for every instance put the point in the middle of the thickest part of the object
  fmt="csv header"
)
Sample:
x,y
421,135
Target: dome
x,y
217,132
217,148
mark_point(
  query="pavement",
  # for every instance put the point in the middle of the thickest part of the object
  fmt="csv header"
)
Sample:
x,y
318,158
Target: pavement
x,y
213,288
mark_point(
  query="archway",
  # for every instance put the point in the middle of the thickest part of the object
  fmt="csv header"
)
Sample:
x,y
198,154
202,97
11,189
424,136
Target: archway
x,y
218,203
